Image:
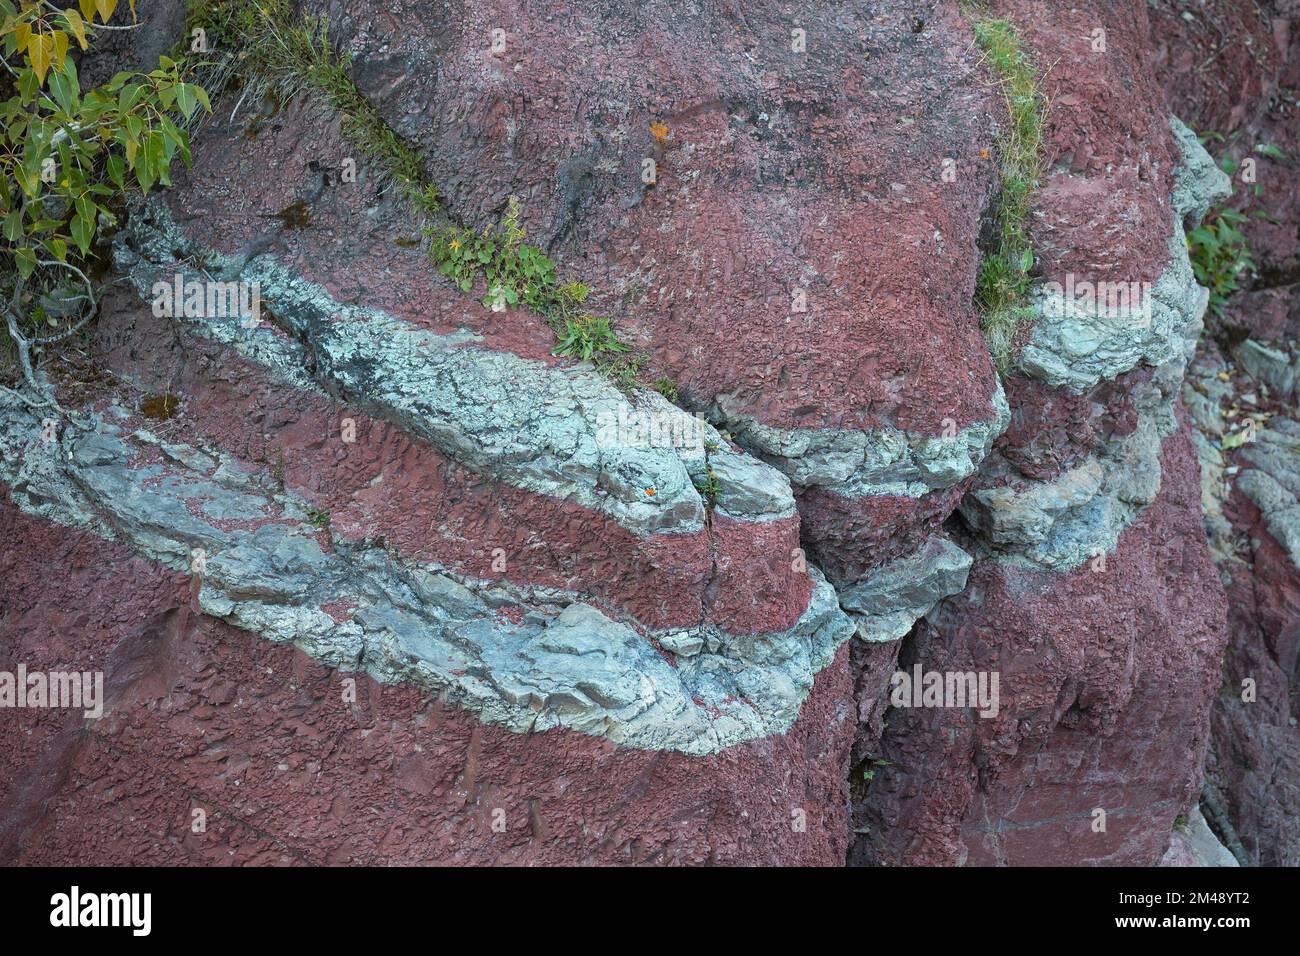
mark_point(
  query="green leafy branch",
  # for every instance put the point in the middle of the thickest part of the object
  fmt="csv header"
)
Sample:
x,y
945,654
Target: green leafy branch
x,y
67,157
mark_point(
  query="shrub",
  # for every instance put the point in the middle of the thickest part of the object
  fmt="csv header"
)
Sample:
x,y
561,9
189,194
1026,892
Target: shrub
x,y
68,158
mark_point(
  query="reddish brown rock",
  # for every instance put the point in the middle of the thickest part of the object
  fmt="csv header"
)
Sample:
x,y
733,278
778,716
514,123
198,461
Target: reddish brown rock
x,y
778,170
1105,686
1246,104
205,717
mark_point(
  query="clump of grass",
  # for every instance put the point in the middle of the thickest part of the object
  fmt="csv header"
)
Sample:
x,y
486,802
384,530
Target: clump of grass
x,y
588,337
1004,275
623,370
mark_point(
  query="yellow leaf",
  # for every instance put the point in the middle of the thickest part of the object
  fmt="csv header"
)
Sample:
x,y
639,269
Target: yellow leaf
x,y
76,25
87,9
131,147
23,34
60,48
105,8
41,53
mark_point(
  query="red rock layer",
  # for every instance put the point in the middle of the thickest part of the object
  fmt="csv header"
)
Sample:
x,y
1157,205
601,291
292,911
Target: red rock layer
x,y
205,717
776,169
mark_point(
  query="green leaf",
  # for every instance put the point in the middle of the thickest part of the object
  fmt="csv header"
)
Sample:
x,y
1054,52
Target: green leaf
x,y
144,173
186,100
155,148
82,232
13,227
64,87
26,257
1235,440
129,96
28,85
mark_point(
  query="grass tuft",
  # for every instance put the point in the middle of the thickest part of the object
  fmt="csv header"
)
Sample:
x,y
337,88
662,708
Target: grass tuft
x,y
1004,276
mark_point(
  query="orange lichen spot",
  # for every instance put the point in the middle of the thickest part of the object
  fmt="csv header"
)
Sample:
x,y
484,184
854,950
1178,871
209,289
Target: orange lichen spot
x,y
650,492
659,130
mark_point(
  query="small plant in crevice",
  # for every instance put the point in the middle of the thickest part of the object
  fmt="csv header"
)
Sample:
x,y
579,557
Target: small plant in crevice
x,y
667,388
515,274
624,371
588,337
864,773
1220,255
1004,275
709,487
1217,248
318,518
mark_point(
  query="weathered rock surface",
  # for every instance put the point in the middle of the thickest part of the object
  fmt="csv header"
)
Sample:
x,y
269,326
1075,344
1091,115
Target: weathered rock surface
x,y
380,579
291,767
1240,393
1105,685
1092,596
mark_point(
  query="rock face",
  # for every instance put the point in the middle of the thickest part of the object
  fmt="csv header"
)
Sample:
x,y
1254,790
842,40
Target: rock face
x,y
1240,392
378,578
